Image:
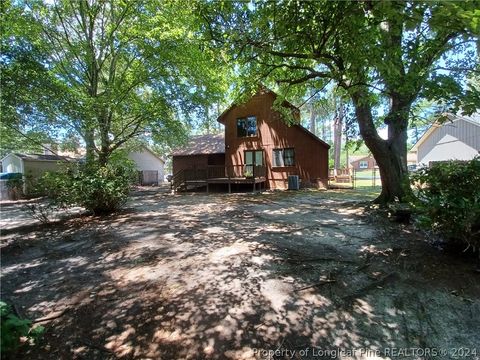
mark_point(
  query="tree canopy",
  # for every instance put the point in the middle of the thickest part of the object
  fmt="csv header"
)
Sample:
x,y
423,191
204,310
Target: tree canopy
x,y
111,71
386,55
107,70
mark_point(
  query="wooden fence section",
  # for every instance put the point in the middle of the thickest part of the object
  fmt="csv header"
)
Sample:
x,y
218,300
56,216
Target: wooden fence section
x,y
341,176
148,177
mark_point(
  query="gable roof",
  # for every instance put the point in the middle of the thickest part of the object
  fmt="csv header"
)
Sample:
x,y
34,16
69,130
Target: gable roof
x,y
203,145
264,90
42,157
474,119
353,158
146,148
308,132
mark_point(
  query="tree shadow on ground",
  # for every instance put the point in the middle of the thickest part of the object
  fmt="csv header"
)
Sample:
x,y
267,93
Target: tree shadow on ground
x,y
221,277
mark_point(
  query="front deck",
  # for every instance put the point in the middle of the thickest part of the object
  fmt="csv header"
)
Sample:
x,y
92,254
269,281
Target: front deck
x,y
227,175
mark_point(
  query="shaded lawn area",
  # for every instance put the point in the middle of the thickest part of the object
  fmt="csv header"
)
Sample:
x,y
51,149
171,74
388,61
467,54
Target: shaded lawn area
x,y
220,276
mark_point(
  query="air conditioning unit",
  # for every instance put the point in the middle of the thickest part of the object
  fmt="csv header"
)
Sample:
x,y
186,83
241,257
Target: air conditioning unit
x,y
293,182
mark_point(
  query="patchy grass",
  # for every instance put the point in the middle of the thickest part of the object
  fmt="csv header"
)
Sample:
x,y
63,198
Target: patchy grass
x,y
220,276
366,193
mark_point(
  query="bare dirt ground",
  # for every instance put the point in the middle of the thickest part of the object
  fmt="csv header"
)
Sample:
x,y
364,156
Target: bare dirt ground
x,y
220,276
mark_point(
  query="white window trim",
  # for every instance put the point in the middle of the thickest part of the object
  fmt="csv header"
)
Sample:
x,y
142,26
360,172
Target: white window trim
x,y
363,164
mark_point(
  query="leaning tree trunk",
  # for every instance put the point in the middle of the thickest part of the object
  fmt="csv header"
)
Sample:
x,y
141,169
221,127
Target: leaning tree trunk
x,y
390,154
391,161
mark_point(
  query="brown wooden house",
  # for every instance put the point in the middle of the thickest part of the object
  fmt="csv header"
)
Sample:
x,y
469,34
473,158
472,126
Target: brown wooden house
x,y
200,152
362,162
259,148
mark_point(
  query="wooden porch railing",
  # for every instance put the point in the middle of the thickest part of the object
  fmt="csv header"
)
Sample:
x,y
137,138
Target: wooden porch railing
x,y
235,171
217,172
177,180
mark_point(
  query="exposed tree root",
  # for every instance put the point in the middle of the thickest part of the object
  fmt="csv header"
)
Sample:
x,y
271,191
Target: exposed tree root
x,y
323,282
98,347
364,290
300,260
55,315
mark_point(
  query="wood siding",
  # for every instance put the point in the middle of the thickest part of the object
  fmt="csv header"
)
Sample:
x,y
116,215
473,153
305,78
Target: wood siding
x,y
183,162
311,155
370,160
459,140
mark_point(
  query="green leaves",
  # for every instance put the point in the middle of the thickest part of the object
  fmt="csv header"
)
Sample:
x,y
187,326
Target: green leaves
x,y
112,70
99,189
12,328
447,200
386,55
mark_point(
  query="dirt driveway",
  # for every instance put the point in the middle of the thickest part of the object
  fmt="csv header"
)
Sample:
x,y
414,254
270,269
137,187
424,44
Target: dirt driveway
x,y
306,275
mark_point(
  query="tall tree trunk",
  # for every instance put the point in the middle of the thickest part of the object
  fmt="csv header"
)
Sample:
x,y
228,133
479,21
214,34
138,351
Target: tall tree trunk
x,y
324,129
103,157
207,124
104,152
337,135
391,154
104,127
313,119
89,137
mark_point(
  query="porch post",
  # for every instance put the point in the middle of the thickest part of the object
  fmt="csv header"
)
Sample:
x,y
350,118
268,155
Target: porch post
x,y
229,184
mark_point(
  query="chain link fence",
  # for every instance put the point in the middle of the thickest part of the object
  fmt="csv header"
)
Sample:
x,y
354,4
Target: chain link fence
x,y
354,178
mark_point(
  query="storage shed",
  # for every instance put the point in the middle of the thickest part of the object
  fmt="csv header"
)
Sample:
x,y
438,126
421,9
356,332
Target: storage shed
x,y
149,164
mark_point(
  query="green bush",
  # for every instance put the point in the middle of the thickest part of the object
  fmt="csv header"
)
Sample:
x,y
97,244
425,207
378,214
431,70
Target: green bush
x,y
447,200
13,328
103,190
58,186
100,189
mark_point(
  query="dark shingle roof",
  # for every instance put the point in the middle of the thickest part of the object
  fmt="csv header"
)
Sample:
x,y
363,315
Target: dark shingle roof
x,y
42,157
203,144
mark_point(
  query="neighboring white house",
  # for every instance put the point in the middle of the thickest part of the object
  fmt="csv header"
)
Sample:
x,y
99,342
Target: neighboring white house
x,y
32,166
148,163
456,139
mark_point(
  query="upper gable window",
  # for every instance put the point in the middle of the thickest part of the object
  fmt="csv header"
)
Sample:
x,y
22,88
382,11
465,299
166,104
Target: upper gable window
x,y
247,126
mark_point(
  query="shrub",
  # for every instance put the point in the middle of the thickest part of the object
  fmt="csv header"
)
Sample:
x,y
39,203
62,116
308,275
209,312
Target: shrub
x,y
13,328
103,190
447,200
41,211
57,186
100,189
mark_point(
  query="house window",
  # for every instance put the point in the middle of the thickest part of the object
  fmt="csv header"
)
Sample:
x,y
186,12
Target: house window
x,y
284,157
363,164
254,157
247,126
